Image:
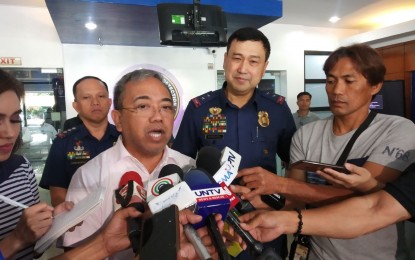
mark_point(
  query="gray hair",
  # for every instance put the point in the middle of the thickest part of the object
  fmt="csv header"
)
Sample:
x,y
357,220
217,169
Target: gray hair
x,y
136,75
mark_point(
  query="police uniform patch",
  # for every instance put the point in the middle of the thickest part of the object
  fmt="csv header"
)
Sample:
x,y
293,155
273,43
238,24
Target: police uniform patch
x,y
272,96
214,124
263,119
78,152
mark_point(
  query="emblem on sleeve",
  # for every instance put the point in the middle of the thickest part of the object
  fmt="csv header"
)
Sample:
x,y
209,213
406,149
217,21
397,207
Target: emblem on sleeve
x,y
263,118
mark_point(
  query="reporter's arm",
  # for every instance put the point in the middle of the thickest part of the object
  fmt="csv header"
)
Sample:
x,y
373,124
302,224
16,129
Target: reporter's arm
x,y
354,217
112,239
34,223
347,219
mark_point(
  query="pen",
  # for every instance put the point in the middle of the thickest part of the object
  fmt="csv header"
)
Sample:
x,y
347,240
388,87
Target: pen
x,y
12,202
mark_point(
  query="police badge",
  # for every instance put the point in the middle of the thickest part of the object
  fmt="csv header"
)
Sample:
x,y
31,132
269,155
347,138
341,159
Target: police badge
x,y
263,119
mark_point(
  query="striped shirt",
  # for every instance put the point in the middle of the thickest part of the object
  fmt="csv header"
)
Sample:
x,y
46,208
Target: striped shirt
x,y
17,182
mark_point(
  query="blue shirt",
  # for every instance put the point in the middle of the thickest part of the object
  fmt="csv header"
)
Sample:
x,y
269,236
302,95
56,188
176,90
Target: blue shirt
x,y
72,149
258,131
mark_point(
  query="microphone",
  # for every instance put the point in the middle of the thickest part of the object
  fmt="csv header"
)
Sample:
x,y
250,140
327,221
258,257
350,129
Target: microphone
x,y
180,195
211,199
223,166
131,194
232,219
224,171
170,174
167,194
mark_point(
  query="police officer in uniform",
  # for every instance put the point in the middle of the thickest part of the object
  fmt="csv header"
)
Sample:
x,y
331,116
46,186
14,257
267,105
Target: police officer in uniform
x,y
258,125
73,148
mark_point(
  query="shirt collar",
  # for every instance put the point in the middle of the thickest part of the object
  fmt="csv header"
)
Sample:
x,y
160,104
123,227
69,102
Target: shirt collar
x,y
225,101
111,130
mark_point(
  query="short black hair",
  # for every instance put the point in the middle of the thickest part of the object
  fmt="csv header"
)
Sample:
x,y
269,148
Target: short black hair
x,y
303,94
84,78
250,34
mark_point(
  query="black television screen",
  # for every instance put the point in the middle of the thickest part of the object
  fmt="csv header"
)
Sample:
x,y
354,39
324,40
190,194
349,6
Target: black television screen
x,y
192,25
390,99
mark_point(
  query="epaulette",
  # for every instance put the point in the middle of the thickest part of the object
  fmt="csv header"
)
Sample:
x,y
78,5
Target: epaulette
x,y
273,97
200,100
66,133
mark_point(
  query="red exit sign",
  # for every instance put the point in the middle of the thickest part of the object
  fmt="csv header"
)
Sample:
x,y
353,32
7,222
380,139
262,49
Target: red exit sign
x,y
10,61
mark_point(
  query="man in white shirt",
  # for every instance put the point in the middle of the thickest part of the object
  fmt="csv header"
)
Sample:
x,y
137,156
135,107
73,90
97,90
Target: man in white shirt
x,y
144,114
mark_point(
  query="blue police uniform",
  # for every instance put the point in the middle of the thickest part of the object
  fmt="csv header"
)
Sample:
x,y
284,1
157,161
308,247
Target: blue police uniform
x,y
72,149
258,131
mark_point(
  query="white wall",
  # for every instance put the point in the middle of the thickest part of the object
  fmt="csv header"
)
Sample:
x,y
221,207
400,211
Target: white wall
x,y
29,33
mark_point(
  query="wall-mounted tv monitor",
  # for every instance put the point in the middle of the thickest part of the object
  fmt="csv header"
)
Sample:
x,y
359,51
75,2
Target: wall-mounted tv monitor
x,y
192,25
390,99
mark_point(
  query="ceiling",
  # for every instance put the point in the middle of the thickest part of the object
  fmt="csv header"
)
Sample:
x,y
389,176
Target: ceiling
x,y
117,21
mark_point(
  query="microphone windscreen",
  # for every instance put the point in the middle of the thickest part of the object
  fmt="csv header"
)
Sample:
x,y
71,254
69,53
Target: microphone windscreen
x,y
171,169
208,158
196,177
130,176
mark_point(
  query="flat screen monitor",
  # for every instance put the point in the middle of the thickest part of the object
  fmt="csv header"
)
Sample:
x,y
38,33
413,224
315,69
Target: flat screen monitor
x,y
390,99
180,26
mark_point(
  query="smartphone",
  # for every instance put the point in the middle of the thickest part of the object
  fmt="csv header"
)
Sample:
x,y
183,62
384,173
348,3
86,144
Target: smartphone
x,y
315,166
160,237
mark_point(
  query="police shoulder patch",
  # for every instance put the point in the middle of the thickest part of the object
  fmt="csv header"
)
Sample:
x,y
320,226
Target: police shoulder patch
x,y
202,99
67,133
273,97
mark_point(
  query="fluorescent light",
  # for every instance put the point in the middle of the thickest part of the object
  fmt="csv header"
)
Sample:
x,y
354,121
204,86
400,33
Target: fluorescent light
x,y
91,26
334,19
45,70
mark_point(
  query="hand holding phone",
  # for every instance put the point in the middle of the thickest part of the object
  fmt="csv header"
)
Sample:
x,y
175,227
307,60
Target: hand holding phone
x,y
315,166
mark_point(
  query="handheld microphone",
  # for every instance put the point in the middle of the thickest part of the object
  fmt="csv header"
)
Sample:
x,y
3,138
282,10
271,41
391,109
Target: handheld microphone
x,y
232,219
131,194
211,199
223,166
180,195
229,164
170,174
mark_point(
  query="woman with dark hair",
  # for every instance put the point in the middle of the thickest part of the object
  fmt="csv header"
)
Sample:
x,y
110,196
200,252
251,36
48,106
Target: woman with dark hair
x,y
19,228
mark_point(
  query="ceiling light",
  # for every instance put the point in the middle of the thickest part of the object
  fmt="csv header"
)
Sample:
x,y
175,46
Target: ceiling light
x,y
334,19
91,26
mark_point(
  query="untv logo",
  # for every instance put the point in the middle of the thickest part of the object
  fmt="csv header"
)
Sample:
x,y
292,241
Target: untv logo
x,y
207,194
155,189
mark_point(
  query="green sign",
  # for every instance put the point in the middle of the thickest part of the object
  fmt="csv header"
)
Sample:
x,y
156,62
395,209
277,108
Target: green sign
x,y
177,19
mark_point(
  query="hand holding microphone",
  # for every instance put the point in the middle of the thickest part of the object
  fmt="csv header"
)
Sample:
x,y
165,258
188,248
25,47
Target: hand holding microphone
x,y
264,183
131,194
212,199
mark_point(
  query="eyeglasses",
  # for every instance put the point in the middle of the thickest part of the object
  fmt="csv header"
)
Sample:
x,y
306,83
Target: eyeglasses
x,y
147,110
